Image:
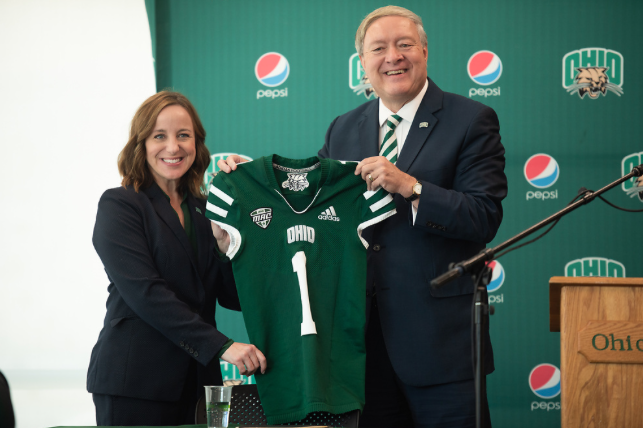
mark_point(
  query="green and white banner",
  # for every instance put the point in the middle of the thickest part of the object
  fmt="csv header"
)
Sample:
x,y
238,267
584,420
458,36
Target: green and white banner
x,y
564,77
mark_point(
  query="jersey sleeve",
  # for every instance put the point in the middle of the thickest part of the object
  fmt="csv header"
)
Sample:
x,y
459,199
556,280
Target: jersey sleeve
x,y
376,206
222,209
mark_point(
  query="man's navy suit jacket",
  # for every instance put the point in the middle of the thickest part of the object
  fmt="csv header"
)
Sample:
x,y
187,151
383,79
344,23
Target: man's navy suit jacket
x,y
459,160
162,299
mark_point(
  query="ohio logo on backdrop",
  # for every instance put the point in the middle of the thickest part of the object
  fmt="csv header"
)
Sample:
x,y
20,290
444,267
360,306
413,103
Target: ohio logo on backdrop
x,y
542,171
592,72
357,79
213,168
484,68
630,187
497,279
232,377
272,69
544,381
595,266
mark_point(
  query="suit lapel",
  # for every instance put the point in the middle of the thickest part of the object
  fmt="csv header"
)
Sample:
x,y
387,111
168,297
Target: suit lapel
x,y
417,136
369,131
202,229
170,218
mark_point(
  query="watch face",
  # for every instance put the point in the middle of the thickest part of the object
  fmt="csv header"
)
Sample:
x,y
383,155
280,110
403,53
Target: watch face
x,y
417,188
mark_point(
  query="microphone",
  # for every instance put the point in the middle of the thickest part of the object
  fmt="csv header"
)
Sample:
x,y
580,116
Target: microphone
x,y
454,272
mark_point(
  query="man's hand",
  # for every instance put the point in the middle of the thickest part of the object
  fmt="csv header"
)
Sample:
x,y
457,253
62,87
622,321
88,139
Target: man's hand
x,y
230,163
378,171
222,237
247,358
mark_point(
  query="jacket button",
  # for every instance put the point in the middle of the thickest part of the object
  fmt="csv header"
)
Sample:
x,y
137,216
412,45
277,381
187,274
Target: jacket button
x,y
376,247
191,351
181,343
196,354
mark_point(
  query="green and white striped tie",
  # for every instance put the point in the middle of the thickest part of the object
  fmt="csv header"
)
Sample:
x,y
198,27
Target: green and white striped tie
x,y
389,145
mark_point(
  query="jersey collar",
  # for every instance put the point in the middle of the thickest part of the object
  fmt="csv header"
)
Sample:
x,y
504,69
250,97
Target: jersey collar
x,y
268,162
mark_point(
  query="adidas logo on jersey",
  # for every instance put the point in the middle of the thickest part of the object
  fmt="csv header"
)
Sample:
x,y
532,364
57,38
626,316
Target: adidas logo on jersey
x,y
328,214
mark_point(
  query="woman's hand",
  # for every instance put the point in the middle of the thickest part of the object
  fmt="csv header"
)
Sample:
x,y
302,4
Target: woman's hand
x,y
247,358
230,163
222,237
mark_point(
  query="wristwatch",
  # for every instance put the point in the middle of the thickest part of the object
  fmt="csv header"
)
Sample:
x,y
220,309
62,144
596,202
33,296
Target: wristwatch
x,y
417,189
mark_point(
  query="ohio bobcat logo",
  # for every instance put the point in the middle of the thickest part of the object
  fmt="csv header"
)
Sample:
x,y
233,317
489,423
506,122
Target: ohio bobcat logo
x,y
593,81
296,182
365,88
357,79
592,72
631,186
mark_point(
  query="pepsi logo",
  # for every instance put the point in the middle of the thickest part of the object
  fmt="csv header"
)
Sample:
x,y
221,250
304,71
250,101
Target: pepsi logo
x,y
272,69
544,380
484,67
541,170
497,275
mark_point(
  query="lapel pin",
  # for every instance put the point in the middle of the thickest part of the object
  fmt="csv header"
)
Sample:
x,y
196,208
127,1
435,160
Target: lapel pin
x,y
424,124
198,210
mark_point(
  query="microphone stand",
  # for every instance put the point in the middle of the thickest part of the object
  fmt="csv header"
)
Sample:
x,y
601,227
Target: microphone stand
x,y
481,273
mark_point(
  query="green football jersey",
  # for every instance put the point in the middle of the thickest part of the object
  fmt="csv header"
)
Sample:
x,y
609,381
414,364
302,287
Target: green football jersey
x,y
299,262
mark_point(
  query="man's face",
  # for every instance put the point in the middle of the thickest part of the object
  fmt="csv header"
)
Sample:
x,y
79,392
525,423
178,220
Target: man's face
x,y
394,60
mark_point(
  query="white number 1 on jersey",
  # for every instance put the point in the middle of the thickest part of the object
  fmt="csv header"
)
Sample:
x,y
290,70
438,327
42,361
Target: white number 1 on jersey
x,y
299,266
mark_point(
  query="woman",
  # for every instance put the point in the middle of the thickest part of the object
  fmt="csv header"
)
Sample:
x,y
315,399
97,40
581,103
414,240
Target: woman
x,y
159,344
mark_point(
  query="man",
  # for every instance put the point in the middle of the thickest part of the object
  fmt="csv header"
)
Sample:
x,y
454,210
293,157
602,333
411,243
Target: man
x,y
444,163
447,173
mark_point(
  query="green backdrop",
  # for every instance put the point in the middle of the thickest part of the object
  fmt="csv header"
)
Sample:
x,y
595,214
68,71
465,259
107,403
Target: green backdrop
x,y
208,51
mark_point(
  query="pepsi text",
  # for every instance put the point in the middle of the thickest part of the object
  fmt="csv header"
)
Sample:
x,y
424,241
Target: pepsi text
x,y
272,93
545,405
484,92
542,195
500,298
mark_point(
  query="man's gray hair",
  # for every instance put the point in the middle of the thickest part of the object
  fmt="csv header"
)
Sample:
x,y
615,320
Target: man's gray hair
x,y
387,11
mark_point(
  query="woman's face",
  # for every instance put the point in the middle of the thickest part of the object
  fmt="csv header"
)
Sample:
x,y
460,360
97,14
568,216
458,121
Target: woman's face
x,y
171,146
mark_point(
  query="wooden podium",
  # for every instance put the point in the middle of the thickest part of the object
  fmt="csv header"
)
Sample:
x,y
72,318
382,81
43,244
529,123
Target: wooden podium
x,y
601,346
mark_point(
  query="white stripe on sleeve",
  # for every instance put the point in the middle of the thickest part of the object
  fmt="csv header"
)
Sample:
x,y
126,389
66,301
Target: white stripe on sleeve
x,y
216,210
369,193
371,222
219,194
379,204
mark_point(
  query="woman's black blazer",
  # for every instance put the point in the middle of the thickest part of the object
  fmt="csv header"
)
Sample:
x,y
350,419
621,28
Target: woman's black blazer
x,y
162,299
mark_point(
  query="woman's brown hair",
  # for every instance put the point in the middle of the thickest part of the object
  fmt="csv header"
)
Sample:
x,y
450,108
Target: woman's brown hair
x,y
132,164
